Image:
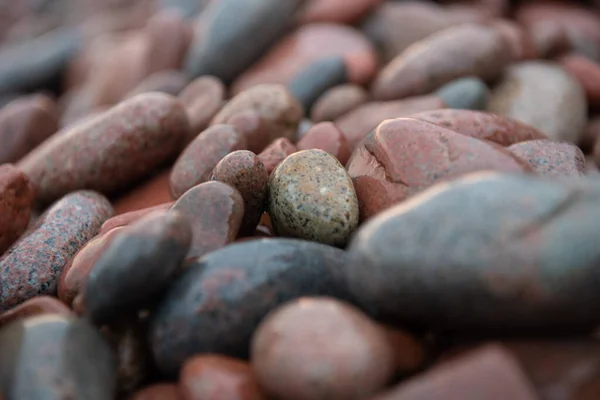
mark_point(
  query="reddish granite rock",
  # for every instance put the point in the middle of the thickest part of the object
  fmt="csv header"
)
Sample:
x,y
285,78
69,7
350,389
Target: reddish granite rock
x,y
32,266
132,216
519,40
202,98
362,120
275,153
315,348
16,201
201,156
344,11
482,125
109,152
39,305
25,123
252,126
490,373
151,192
218,223
550,158
326,136
306,45
466,50
338,101
159,391
244,171
403,156
168,38
587,72
218,377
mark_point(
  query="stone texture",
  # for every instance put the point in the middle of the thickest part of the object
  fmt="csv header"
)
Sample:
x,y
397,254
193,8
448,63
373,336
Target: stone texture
x,y
218,223
543,95
336,10
523,263
33,265
244,171
465,93
110,151
197,161
202,98
519,39
404,156
215,305
40,305
311,197
275,153
326,136
587,73
49,357
549,158
151,192
338,101
466,50
168,36
16,201
253,127
316,348
170,81
132,216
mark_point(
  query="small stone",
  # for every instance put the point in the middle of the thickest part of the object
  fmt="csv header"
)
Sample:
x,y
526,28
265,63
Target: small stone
x,y
219,377
244,171
109,151
218,223
40,305
252,126
16,202
169,81
549,158
273,103
151,192
201,156
543,95
326,136
202,98
49,357
277,151
215,305
159,391
136,266
316,348
311,197
466,50
519,39
338,101
168,39
336,10
132,216
33,265
587,73
468,93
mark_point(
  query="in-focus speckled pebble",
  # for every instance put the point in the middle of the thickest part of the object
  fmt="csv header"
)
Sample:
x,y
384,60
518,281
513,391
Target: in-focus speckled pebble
x,y
276,152
33,265
311,196
16,201
244,171
338,101
550,158
468,93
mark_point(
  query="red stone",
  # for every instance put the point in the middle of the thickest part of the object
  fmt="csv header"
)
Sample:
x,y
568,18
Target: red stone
x,y
275,153
202,99
168,37
587,72
16,202
132,216
150,193
252,126
326,136
550,158
338,101
344,11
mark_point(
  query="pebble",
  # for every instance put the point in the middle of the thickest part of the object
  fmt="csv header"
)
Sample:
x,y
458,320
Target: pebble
x,y
549,158
342,11
410,353
317,348
326,136
132,216
109,151
312,81
404,156
197,161
311,197
168,37
519,39
168,81
219,377
151,192
218,301
278,108
308,44
543,95
16,201
158,391
466,50
253,127
40,305
490,373
357,124
48,357
275,153
202,98
220,219
338,101
25,123
264,21
587,73
33,265
468,93
521,265
244,171
482,125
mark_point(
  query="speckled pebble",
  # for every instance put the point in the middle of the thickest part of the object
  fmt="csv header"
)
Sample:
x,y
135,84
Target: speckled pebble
x,y
312,197
16,200
276,152
244,171
32,266
551,158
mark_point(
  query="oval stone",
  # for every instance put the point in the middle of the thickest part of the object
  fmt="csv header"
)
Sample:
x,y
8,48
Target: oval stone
x,y
311,197
16,202
504,254
215,305
338,101
33,265
550,158
276,152
202,98
253,127
326,136
468,93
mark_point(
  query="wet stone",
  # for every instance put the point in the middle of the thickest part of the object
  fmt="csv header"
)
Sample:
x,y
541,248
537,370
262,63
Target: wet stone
x,y
16,202
338,101
549,158
33,265
216,304
275,153
465,93
40,305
